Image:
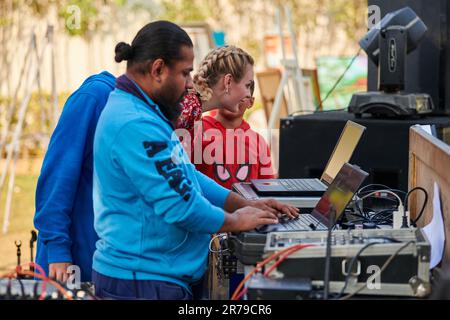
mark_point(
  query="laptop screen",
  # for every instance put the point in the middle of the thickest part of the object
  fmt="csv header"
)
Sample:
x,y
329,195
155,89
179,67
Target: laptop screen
x,y
343,150
340,191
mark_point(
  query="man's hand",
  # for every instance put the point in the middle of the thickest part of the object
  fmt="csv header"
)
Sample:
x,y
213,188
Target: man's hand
x,y
58,271
235,201
247,218
276,207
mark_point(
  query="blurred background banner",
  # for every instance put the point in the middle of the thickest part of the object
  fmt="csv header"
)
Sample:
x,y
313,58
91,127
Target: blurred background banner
x,y
355,79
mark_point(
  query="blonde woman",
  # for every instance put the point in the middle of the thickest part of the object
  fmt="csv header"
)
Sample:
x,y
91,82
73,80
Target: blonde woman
x,y
224,78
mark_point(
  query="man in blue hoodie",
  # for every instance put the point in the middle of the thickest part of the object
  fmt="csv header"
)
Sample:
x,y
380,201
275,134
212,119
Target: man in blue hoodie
x,y
64,207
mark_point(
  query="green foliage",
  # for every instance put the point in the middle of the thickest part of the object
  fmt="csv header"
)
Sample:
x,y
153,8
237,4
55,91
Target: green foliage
x,y
37,121
85,17
350,15
39,8
184,11
80,17
90,15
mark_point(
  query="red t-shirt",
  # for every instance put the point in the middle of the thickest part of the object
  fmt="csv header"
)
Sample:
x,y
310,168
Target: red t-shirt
x,y
230,156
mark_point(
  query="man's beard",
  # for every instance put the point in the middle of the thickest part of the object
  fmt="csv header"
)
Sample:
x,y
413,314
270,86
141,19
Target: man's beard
x,y
171,109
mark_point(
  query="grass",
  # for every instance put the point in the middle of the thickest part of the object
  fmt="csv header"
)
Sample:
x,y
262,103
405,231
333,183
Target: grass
x,y
21,222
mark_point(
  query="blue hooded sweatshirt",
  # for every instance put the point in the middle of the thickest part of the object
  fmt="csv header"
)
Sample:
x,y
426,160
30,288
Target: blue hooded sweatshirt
x,y
154,212
64,209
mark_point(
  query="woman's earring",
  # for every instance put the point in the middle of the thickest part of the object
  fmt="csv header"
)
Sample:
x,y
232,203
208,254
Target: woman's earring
x,y
227,90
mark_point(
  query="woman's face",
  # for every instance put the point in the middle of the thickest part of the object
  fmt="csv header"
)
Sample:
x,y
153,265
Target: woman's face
x,y
242,106
237,90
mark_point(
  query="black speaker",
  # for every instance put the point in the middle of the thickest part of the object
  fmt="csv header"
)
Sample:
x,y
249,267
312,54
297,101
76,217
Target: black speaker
x,y
428,67
306,144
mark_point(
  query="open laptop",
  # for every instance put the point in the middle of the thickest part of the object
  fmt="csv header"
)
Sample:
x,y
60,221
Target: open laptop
x,y
350,136
330,206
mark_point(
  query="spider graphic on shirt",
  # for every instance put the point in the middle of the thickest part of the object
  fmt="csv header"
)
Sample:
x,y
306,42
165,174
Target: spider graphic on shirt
x,y
224,173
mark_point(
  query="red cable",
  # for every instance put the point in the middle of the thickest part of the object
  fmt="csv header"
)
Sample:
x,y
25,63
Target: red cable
x,y
240,295
283,257
44,282
289,250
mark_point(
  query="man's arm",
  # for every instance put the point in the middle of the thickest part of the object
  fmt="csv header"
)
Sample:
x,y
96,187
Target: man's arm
x,y
235,201
247,218
214,192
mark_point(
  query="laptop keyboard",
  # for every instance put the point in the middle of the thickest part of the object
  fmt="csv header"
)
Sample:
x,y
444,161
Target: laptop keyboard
x,y
301,184
303,222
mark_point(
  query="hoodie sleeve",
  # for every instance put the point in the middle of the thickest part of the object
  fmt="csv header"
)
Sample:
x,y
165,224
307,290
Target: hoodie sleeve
x,y
60,174
149,158
214,192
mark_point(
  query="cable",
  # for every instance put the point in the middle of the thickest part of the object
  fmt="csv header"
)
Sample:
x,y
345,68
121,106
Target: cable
x,y
44,283
382,217
400,208
283,257
364,193
366,217
385,198
39,268
19,272
8,289
362,213
256,269
378,185
243,292
381,212
350,267
218,254
258,266
385,191
371,185
35,289
425,201
326,278
276,264
52,282
224,235
385,265
339,80
22,288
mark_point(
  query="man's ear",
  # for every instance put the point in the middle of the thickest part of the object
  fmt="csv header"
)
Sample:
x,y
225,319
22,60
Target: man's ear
x,y
156,69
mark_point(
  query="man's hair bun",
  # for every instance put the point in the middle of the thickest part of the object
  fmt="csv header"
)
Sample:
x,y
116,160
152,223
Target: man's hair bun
x,y
123,52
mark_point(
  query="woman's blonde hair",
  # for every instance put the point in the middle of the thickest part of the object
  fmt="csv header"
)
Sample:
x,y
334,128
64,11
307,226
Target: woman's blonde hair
x,y
220,61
